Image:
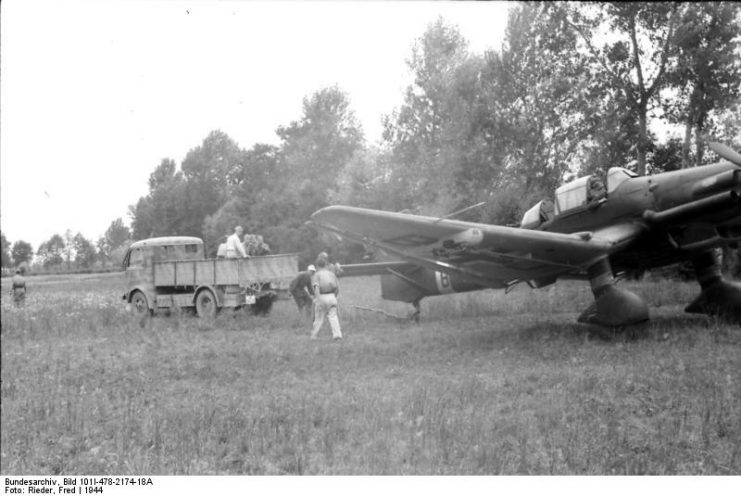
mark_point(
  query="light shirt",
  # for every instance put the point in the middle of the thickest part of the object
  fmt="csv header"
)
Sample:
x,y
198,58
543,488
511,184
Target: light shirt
x,y
234,248
325,282
19,282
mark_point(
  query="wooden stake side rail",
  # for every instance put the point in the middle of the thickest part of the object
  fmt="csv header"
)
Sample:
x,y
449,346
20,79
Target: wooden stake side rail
x,y
244,272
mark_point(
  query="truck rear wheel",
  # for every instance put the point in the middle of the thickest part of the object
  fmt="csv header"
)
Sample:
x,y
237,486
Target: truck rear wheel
x,y
206,306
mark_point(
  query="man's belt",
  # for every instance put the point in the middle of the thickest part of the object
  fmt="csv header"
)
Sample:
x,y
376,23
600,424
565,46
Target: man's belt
x,y
327,292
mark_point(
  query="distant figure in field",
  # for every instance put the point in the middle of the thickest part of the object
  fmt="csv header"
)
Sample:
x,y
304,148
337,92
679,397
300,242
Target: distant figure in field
x,y
326,289
19,288
335,268
234,248
302,291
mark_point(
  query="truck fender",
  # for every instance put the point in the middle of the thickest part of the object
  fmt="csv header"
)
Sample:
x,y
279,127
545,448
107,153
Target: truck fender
x,y
143,291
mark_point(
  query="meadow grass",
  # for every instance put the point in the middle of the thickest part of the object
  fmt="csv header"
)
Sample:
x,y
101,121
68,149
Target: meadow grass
x,y
487,383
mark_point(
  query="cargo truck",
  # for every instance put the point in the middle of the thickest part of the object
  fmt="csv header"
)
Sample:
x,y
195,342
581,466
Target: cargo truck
x,y
173,272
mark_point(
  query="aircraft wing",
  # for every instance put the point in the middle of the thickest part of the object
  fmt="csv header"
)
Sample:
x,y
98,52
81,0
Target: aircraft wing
x,y
374,268
488,255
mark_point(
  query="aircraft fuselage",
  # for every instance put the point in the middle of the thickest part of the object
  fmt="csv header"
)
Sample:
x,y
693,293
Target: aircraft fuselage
x,y
700,208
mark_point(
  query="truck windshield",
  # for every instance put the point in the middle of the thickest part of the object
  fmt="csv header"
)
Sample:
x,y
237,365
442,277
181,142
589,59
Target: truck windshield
x,y
135,258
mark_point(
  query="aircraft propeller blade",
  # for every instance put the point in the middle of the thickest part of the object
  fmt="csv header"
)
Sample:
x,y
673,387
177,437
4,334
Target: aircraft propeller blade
x,y
725,152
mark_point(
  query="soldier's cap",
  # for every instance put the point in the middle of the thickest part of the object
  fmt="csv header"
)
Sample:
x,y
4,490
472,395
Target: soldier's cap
x,y
311,268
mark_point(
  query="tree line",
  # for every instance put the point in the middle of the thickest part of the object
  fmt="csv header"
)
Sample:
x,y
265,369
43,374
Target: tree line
x,y
68,252
575,88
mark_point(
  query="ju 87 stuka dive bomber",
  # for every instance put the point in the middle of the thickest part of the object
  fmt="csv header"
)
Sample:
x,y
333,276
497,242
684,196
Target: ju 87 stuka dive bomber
x,y
590,230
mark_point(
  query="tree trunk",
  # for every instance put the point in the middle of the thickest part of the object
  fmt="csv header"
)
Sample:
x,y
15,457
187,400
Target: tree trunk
x,y
699,150
642,141
686,145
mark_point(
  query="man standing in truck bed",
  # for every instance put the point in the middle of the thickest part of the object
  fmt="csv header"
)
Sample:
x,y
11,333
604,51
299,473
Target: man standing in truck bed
x,y
234,248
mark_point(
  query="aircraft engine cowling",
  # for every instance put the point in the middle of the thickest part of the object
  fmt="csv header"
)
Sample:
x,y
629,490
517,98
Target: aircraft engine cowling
x,y
418,283
718,182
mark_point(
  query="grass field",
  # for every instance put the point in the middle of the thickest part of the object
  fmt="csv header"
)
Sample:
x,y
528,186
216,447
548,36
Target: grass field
x,y
487,383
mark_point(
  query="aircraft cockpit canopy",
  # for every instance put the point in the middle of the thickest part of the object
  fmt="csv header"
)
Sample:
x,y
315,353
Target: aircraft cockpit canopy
x,y
572,195
617,176
539,213
578,193
532,216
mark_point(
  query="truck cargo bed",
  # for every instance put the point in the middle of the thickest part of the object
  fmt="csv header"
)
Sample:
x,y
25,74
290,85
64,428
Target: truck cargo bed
x,y
278,270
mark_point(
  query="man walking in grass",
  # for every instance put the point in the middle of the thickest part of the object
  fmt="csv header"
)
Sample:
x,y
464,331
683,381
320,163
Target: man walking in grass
x,y
326,289
302,290
335,268
19,288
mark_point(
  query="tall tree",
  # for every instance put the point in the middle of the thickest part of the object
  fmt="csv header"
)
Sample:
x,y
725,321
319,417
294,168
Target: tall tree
x,y
363,182
51,252
84,251
161,212
316,147
636,62
256,183
179,202
549,97
69,248
707,69
22,252
208,171
5,253
314,150
116,236
424,133
275,189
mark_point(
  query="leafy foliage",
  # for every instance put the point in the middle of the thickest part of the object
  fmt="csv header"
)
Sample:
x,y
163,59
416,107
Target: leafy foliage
x,y
4,253
277,188
22,253
505,127
116,237
85,253
51,252
160,212
635,63
706,69
428,133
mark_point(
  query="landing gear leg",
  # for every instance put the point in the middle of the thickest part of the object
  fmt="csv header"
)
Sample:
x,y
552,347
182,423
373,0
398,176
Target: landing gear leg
x,y
612,307
718,296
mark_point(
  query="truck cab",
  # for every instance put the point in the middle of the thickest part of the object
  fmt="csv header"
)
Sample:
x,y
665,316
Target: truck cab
x,y
139,262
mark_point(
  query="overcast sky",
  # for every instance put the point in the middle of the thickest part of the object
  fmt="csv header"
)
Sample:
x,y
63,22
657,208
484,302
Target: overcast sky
x,y
95,94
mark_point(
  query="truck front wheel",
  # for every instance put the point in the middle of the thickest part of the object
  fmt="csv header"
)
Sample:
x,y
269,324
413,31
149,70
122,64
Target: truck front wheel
x,y
206,306
139,303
